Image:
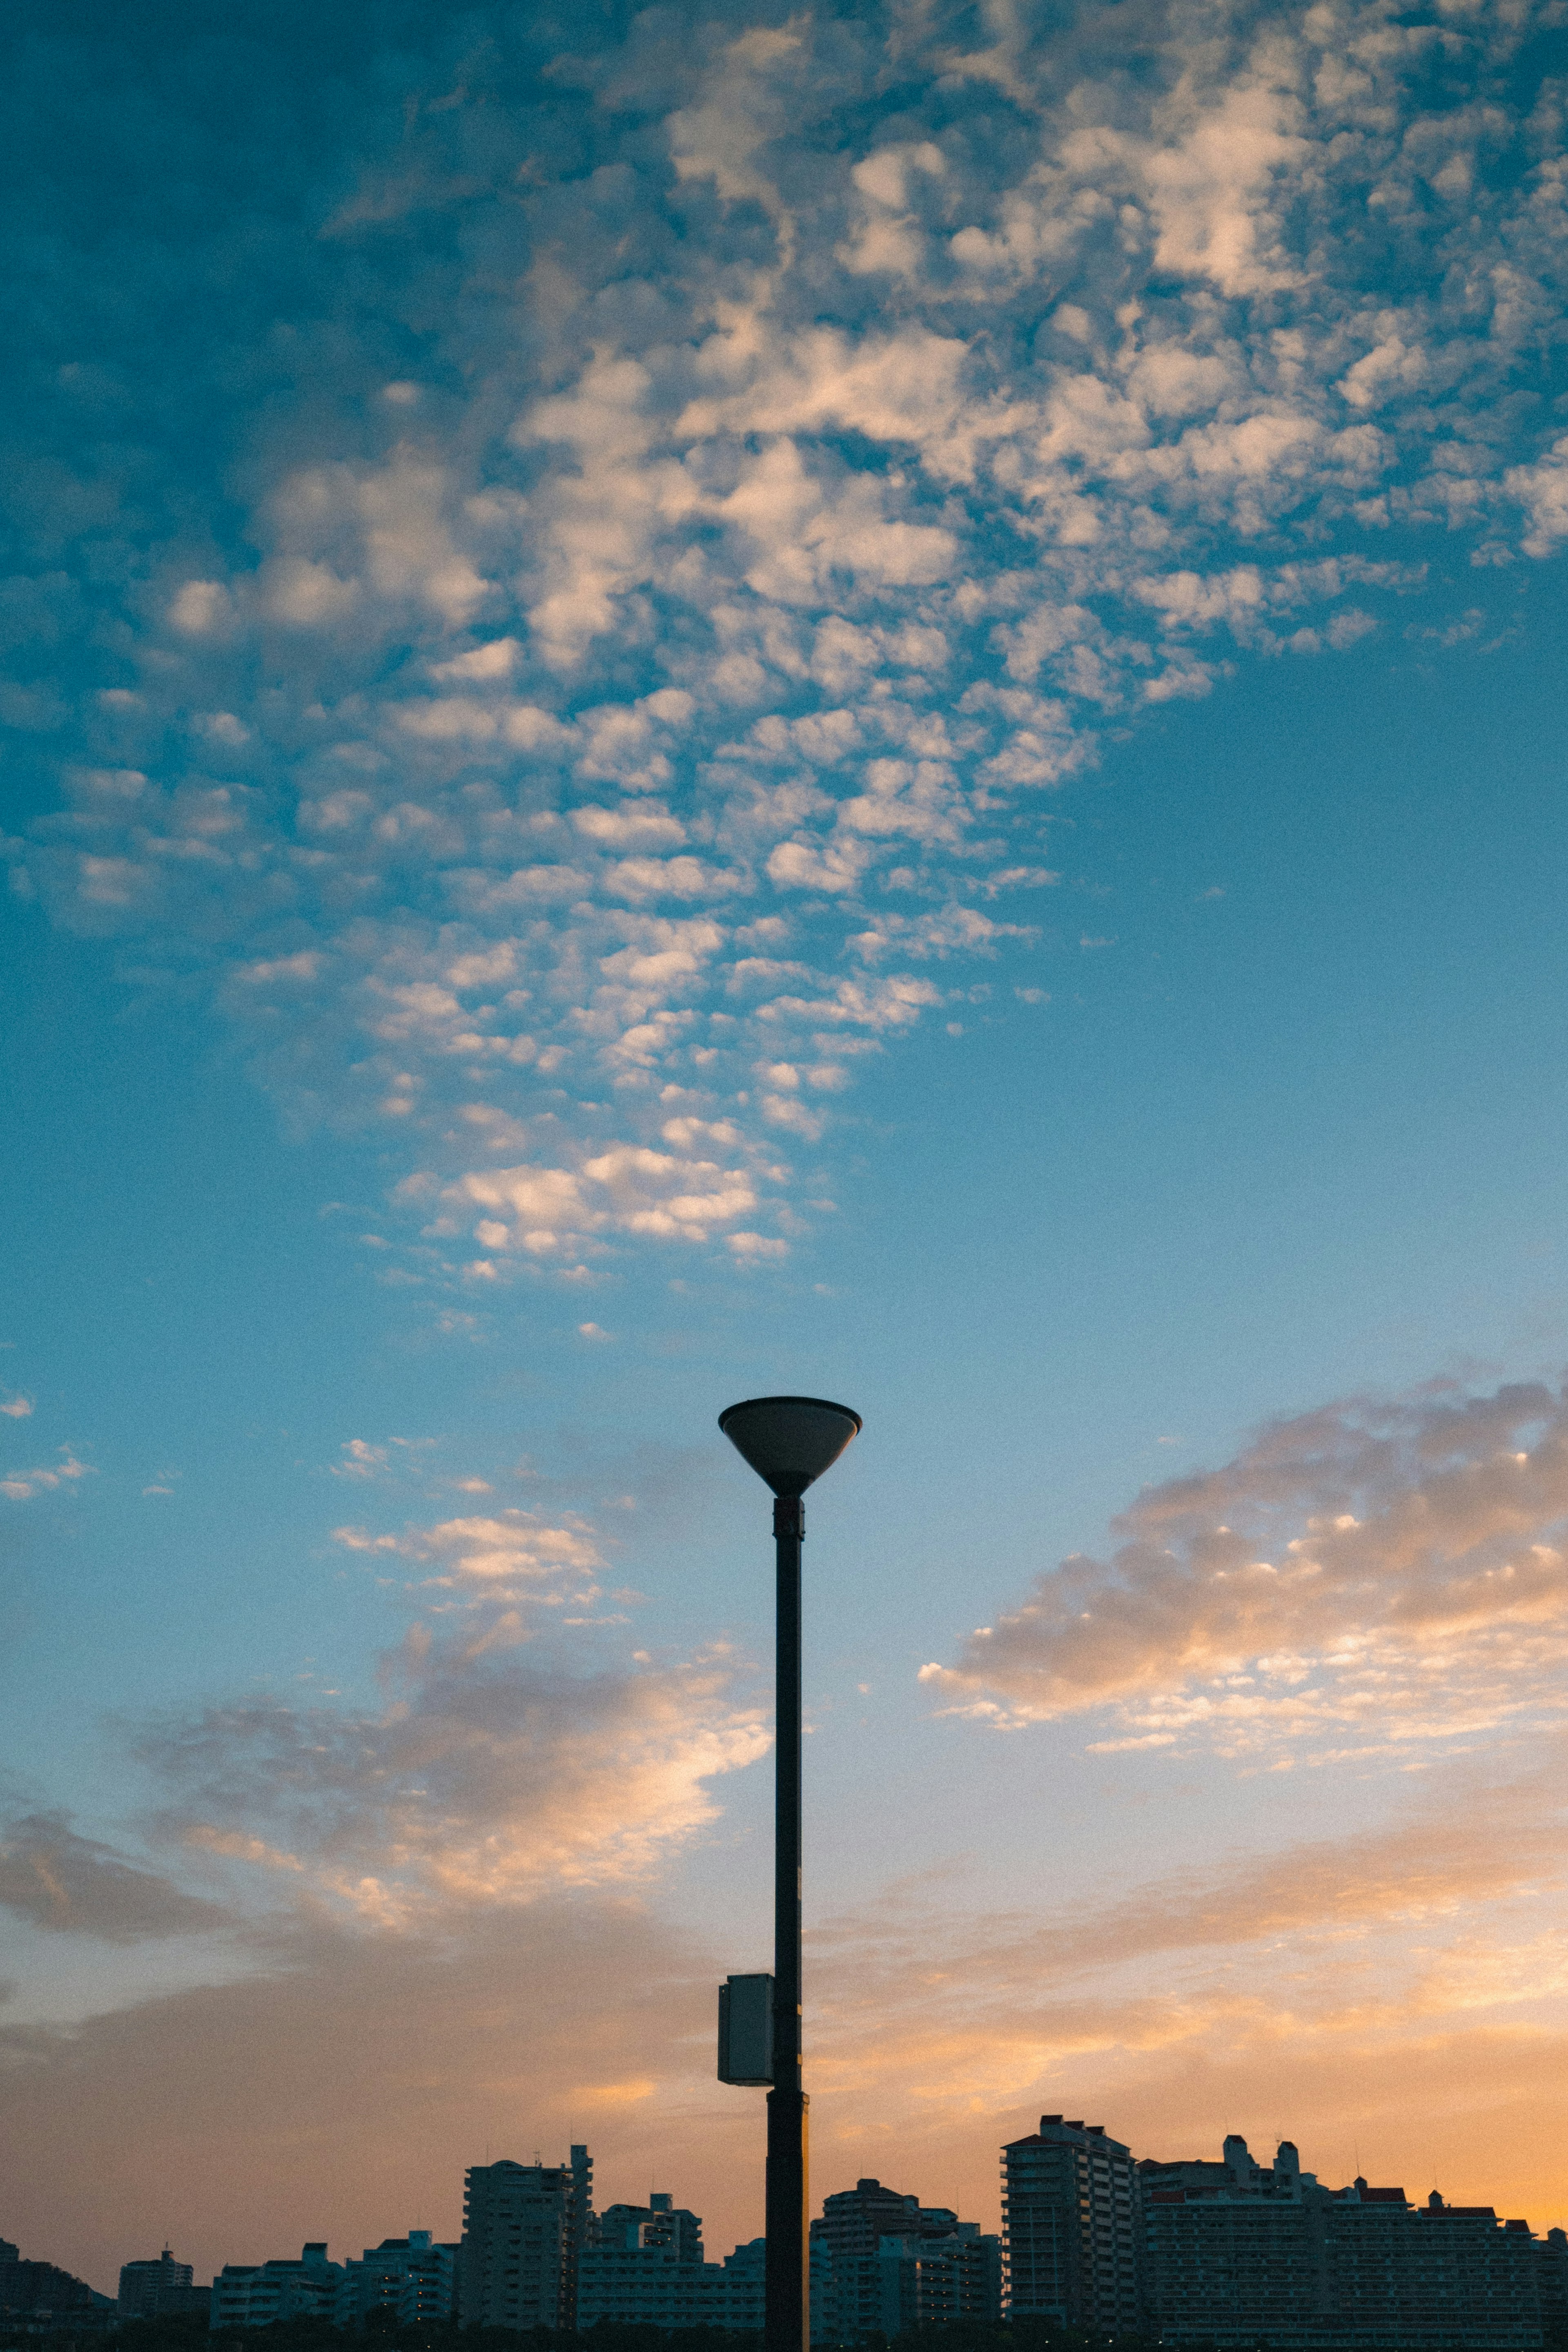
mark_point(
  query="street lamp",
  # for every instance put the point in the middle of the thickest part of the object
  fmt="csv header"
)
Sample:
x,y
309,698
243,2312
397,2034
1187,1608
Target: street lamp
x,y
789,1442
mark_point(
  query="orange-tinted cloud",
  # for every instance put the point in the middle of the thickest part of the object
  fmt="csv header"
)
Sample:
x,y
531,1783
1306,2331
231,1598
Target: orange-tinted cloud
x,y
1397,1996
488,1781
1370,1573
340,2089
452,1932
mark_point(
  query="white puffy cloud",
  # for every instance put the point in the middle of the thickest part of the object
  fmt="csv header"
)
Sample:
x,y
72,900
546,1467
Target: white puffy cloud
x,y
782,506
629,1189
507,1556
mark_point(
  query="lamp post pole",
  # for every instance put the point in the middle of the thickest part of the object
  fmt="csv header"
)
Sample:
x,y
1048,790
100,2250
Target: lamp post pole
x,y
788,2308
789,1442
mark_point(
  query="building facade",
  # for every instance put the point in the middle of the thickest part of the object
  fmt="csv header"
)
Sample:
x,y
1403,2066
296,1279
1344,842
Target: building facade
x,y
258,2295
884,2263
907,2283
1238,2253
160,2290
853,2222
659,2224
958,2277
409,2278
1071,2228
1551,2284
644,2263
525,2229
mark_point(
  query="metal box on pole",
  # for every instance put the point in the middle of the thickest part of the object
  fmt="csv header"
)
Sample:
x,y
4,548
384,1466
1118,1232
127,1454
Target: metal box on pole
x,y
746,2030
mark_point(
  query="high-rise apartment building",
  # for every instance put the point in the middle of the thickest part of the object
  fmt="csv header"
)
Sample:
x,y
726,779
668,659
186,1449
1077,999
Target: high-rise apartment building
x,y
160,2290
524,2229
1071,2228
579,2228
853,2222
1238,2253
258,2295
644,2263
409,2278
1552,2283
957,2277
907,2283
892,2264
660,2223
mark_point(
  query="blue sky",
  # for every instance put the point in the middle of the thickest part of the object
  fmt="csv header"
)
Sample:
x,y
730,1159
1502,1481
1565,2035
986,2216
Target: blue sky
x,y
697,701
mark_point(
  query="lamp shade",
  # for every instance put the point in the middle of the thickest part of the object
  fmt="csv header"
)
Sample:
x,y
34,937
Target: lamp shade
x,y
789,1441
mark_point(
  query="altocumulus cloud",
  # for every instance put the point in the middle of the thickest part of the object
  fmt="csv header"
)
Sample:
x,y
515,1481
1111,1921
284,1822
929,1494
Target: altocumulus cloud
x,y
1390,1573
594,558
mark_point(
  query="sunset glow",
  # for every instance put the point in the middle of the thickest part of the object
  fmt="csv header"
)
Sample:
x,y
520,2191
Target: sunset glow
x,y
702,702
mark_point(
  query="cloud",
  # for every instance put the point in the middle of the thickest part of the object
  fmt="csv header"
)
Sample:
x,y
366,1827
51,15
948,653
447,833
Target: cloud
x,y
487,1776
631,1189
491,1782
489,1861
843,483
497,1554
1335,1990
74,1886
1431,1872
21,1486
17,1408
1376,1572
1392,1983
251,2106
360,1459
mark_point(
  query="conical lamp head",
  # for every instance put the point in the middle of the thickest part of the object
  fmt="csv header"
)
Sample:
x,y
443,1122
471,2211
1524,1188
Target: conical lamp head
x,y
789,1441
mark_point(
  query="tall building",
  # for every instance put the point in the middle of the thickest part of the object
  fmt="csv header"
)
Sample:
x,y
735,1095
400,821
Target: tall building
x,y
643,2265
660,2223
161,2290
957,2277
1552,2283
852,2223
524,2231
411,2278
645,2262
579,2228
892,2264
1480,2275
1071,2228
1231,2246
258,2295
907,2282
1238,2251
745,2298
